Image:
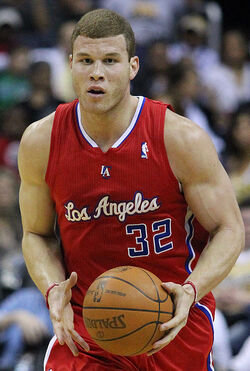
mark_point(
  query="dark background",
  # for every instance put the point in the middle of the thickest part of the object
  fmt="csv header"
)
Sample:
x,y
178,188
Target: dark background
x,y
236,14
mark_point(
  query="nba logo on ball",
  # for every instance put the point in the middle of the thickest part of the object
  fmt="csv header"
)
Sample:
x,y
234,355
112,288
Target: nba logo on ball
x,y
124,308
99,292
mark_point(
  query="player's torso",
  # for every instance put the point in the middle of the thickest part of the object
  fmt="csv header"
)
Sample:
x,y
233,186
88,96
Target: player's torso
x,y
122,207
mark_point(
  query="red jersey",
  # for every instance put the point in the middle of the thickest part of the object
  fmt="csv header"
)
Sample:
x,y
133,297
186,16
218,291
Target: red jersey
x,y
125,207
122,207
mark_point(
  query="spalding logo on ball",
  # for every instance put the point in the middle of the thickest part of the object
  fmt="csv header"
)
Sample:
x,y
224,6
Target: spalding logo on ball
x,y
123,309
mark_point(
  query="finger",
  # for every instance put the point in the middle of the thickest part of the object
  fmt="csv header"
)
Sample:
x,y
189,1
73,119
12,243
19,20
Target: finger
x,y
70,343
170,287
153,351
79,340
168,338
59,332
174,322
71,281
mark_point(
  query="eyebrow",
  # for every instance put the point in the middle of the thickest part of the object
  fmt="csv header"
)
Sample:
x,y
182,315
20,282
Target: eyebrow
x,y
81,54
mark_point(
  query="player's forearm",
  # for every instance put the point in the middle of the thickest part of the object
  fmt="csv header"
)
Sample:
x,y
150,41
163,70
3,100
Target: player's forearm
x,y
43,259
217,259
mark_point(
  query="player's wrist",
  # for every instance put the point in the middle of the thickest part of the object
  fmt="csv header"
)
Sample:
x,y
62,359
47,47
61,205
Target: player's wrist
x,y
190,288
48,291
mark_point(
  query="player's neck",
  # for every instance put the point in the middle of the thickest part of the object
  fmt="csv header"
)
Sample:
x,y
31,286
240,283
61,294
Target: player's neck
x,y
106,128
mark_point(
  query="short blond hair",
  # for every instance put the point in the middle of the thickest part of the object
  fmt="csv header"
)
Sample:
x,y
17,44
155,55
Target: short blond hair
x,y
102,23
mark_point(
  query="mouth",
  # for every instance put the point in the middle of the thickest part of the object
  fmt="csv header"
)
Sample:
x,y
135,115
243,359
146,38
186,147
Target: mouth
x,y
96,91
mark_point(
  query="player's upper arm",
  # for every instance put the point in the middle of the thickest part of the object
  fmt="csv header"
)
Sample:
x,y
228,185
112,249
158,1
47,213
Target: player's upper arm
x,y
37,209
207,188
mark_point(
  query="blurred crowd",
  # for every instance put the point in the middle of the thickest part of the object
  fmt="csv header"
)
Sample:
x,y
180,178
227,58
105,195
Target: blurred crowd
x,y
188,59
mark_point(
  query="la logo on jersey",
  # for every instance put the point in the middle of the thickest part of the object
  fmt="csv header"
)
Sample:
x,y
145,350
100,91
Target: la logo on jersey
x,y
105,171
144,150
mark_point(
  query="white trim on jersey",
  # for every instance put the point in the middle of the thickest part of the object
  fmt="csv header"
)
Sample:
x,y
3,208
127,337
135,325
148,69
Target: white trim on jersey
x,y
208,313
124,135
47,354
190,234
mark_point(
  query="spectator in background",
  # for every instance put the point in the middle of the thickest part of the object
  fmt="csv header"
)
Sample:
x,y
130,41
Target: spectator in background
x,y
193,44
41,101
73,10
37,24
237,155
11,262
14,83
58,59
183,94
9,210
230,80
10,23
150,19
152,80
13,123
212,12
24,318
232,343
24,323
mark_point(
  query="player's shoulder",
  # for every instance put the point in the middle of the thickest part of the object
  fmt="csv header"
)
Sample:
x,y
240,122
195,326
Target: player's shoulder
x,y
38,133
183,133
188,146
35,145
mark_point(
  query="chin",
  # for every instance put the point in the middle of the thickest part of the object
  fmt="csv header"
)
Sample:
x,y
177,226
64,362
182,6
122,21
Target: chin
x,y
96,108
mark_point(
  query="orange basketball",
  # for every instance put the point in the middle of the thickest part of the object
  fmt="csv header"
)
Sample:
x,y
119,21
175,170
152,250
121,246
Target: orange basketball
x,y
123,308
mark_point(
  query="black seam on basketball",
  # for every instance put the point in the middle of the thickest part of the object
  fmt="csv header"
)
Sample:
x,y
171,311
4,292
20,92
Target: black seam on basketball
x,y
137,288
130,309
159,304
159,301
128,334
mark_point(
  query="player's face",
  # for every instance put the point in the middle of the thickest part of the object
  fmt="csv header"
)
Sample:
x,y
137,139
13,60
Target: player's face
x,y
101,72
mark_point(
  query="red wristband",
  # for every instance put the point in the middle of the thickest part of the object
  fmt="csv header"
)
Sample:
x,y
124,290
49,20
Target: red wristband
x,y
48,291
194,288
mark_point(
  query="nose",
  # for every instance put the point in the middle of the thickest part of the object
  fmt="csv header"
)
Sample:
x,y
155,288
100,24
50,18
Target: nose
x,y
97,71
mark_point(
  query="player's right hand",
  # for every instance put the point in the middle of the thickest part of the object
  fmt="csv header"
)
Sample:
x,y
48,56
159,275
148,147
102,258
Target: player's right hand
x,y
62,315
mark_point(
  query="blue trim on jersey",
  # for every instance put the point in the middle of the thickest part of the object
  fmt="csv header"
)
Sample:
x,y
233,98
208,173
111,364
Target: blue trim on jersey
x,y
189,245
210,366
92,143
207,312
79,126
139,114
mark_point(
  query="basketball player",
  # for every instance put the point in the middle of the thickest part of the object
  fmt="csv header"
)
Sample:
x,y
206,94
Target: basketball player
x,y
130,183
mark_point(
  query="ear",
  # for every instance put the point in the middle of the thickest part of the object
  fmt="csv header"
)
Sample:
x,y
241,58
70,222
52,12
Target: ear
x,y
134,67
70,60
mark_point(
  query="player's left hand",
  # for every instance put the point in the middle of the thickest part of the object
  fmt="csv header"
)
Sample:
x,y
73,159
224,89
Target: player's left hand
x,y
183,297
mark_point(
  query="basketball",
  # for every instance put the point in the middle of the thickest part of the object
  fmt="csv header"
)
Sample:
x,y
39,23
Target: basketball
x,y
123,309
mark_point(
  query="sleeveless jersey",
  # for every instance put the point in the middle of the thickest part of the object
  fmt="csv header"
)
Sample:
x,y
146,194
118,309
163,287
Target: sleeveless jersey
x,y
122,207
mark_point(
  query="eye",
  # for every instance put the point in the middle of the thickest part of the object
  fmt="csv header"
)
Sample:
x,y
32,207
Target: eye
x,y
86,61
109,60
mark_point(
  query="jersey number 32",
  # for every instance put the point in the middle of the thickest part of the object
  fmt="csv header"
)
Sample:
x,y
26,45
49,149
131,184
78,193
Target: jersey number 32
x,y
163,231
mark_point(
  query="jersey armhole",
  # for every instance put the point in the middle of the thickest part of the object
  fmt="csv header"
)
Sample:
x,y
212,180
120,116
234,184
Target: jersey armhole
x,y
164,153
